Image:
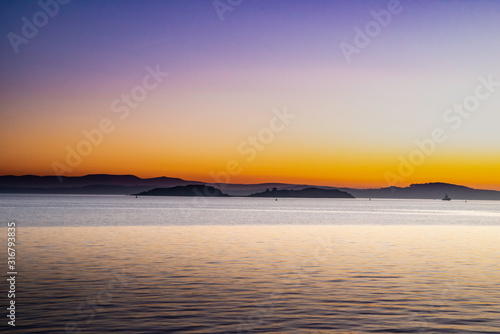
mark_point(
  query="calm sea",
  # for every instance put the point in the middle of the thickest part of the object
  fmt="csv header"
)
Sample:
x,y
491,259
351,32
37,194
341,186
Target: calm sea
x,y
103,264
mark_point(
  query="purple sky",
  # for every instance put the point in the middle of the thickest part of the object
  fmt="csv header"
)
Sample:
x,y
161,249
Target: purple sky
x,y
227,75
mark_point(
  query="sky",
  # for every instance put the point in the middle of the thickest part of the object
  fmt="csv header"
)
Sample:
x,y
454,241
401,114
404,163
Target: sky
x,y
342,93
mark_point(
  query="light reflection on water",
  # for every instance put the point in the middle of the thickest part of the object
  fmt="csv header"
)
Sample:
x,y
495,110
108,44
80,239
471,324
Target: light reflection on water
x,y
168,276
88,210
273,279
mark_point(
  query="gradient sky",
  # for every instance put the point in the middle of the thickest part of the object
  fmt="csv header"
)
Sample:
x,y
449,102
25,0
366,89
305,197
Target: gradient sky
x,y
353,121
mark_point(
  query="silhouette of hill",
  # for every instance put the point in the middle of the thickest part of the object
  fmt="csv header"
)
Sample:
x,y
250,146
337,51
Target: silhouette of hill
x,y
128,184
97,189
88,184
189,190
235,189
33,181
304,193
434,190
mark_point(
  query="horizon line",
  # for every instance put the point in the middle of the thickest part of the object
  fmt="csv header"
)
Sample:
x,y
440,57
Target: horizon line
x,y
259,183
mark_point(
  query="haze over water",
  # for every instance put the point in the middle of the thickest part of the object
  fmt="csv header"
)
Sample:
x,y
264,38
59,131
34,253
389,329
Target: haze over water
x,y
234,265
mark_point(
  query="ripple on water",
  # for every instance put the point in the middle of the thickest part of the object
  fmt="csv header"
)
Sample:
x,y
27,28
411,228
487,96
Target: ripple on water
x,y
195,279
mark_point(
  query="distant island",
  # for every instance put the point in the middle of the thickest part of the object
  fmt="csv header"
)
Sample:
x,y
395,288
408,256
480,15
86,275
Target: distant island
x,y
209,191
189,190
105,184
304,193
433,190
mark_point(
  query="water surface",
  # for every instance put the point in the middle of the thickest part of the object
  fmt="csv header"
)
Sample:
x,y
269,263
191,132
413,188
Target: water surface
x,y
104,264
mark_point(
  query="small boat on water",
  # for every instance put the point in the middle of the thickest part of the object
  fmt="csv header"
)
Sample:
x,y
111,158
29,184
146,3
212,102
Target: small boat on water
x,y
446,198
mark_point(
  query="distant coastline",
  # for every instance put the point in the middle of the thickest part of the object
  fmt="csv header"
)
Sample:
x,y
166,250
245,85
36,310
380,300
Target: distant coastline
x,y
189,190
129,184
304,193
209,191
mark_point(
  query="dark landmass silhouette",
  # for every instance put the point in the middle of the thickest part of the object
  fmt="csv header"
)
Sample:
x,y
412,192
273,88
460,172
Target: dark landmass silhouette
x,y
189,190
117,185
104,184
304,193
97,189
435,190
33,181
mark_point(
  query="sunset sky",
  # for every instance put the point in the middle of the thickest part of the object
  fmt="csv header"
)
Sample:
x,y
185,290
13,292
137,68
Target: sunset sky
x,y
232,69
